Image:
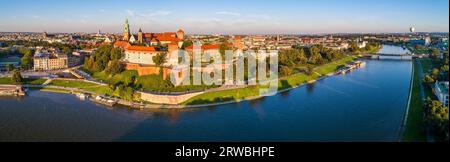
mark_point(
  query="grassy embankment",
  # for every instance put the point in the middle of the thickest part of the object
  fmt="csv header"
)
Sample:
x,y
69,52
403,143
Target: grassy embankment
x,y
37,81
87,86
210,97
283,83
152,82
415,126
421,50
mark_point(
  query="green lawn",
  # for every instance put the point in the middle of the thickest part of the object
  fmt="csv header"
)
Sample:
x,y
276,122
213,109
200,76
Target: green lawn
x,y
302,78
33,81
5,81
123,77
414,129
222,96
147,82
100,90
87,86
72,83
37,81
53,90
287,82
427,64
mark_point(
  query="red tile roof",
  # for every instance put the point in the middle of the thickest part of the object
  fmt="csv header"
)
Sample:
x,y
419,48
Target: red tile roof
x,y
163,38
141,48
122,44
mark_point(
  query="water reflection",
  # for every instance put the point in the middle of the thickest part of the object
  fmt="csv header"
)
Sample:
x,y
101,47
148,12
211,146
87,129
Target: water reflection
x,y
310,88
365,105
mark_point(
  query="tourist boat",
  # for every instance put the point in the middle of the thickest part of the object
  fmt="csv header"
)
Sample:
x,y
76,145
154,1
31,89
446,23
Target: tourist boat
x,y
82,96
104,101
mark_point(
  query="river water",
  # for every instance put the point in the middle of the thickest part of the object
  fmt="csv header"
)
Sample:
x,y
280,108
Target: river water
x,y
367,104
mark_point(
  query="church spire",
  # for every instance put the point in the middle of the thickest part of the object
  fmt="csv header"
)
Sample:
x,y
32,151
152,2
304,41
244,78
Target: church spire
x,y
126,30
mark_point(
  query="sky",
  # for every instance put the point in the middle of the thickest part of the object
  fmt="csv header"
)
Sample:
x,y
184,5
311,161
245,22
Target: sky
x,y
225,16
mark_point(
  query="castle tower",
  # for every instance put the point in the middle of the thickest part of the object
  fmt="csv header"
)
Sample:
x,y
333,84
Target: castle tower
x,y
180,34
237,42
126,30
140,36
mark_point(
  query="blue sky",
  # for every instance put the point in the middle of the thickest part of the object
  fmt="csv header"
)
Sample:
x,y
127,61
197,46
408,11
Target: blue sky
x,y
226,16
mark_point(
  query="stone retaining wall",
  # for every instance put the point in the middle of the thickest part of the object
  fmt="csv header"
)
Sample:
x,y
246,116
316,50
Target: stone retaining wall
x,y
167,99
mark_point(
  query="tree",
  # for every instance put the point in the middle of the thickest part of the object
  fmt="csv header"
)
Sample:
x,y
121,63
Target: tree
x,y
428,79
285,71
309,70
67,50
187,43
435,52
159,59
435,73
116,54
16,77
315,56
27,61
437,118
10,67
114,67
354,47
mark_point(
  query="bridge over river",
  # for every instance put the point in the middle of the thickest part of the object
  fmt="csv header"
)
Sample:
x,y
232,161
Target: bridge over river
x,y
387,56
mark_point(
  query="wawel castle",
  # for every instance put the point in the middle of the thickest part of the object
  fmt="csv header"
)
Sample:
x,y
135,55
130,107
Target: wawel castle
x,y
140,48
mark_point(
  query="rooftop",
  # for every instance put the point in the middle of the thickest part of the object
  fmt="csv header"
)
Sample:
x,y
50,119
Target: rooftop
x,y
141,48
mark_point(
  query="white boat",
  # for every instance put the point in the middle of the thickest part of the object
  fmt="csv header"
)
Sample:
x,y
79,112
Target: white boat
x,y
81,96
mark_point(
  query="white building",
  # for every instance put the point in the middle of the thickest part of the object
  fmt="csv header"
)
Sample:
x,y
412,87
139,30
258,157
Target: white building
x,y
441,91
140,55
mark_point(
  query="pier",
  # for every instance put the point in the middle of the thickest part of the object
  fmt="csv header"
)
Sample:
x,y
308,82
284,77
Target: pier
x,y
104,100
11,90
350,67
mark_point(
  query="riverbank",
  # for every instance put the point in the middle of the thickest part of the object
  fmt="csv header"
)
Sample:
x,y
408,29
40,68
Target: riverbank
x,y
206,99
284,84
414,129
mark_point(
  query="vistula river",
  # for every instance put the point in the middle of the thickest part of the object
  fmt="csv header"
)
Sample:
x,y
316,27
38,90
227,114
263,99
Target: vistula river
x,y
367,104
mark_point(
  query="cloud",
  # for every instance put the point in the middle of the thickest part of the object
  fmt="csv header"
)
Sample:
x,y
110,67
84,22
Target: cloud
x,y
228,13
261,16
148,14
35,16
102,10
159,13
130,12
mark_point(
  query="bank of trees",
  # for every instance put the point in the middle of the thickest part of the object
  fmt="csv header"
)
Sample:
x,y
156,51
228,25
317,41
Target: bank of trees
x,y
371,47
437,118
436,114
307,57
27,57
106,58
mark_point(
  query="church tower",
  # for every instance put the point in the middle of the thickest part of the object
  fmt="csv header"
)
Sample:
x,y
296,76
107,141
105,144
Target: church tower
x,y
126,30
180,34
140,36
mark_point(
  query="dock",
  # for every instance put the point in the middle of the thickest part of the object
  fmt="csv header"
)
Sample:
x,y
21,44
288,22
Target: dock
x,y
350,67
104,100
12,90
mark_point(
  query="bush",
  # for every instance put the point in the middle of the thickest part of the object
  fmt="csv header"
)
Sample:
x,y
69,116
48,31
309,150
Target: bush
x,y
285,71
17,77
